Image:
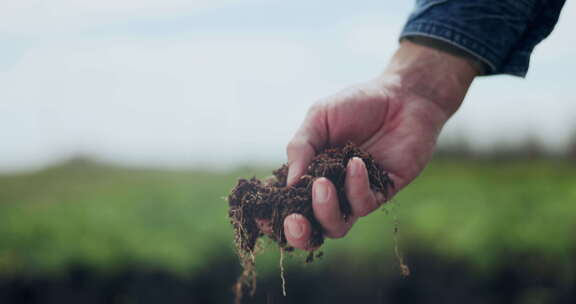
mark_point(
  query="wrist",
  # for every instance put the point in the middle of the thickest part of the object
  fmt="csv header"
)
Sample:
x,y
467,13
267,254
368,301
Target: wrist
x,y
434,75
441,45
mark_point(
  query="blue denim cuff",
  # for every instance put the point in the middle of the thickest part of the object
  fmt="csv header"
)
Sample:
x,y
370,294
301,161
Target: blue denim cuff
x,y
454,37
500,33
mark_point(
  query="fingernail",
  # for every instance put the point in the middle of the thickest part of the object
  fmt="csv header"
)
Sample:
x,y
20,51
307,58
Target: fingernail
x,y
321,191
355,166
294,228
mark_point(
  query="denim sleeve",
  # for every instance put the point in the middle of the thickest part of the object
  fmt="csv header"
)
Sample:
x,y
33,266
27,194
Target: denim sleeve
x,y
499,33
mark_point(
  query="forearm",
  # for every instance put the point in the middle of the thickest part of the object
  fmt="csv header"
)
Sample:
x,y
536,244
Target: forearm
x,y
435,75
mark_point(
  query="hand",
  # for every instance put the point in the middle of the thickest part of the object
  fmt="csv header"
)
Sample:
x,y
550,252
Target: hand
x,y
396,118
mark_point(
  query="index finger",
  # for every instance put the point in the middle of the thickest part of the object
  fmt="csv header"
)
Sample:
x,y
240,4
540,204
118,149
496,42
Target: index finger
x,y
300,153
310,138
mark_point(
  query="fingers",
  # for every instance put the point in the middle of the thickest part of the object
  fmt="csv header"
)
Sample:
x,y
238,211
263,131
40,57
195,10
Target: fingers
x,y
362,199
297,231
310,137
327,209
300,153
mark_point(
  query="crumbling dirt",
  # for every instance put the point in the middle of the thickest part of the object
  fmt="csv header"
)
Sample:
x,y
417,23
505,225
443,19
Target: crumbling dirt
x,y
273,201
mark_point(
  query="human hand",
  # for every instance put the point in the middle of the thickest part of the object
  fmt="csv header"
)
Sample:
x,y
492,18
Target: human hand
x,y
396,118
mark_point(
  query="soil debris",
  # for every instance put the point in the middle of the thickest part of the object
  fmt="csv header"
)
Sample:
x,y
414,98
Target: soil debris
x,y
272,200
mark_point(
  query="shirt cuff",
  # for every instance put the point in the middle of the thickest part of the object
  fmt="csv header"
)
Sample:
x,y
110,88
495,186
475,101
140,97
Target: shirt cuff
x,y
454,38
449,48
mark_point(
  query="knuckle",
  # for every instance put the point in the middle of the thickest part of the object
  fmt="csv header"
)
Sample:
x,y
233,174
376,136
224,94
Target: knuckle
x,y
365,204
363,211
337,233
315,112
294,145
361,202
316,107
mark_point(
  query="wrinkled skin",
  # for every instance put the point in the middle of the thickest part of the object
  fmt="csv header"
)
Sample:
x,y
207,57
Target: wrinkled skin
x,y
396,117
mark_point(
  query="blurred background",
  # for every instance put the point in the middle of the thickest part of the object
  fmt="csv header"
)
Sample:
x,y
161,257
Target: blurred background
x,y
124,124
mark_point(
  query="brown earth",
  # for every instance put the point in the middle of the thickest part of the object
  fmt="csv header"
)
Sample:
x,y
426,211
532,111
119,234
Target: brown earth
x,y
272,200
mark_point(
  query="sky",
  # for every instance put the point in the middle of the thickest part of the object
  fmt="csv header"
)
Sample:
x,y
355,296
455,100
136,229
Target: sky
x,y
226,82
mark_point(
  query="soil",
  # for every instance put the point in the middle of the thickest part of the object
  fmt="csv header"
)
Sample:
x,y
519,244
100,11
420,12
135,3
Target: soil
x,y
271,200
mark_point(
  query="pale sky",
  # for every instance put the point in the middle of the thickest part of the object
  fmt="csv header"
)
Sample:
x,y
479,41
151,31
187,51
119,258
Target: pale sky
x,y
183,83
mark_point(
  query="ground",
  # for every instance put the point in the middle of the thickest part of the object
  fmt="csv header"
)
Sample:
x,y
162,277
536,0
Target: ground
x,y
494,217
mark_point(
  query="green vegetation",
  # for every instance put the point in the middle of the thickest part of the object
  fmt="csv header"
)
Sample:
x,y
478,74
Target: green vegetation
x,y
110,217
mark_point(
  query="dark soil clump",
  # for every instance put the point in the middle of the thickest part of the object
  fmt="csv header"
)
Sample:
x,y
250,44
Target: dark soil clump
x,y
273,201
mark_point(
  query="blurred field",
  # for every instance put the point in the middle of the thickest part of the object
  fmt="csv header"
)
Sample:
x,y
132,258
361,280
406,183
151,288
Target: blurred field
x,y
488,215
